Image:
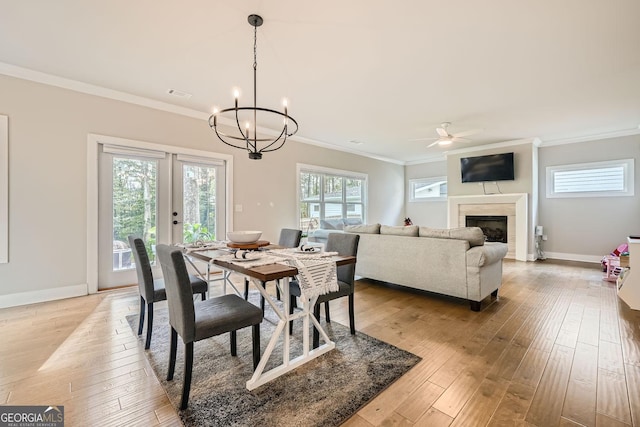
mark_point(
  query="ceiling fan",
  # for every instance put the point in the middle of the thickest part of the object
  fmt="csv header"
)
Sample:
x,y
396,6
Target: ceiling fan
x,y
447,138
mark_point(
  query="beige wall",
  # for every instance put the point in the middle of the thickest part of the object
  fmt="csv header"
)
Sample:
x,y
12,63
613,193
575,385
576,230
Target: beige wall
x,y
48,128
587,228
426,213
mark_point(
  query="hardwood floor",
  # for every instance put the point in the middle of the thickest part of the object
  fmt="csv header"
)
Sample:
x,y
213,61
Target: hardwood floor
x,y
558,348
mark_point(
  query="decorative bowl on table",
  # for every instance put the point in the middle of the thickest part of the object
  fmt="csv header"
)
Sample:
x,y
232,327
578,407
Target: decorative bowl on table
x,y
244,236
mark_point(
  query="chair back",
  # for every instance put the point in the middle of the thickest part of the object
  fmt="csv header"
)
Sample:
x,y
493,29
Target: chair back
x,y
344,244
290,238
179,294
143,268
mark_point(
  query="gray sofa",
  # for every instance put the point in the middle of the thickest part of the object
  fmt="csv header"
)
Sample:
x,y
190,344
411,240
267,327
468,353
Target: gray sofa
x,y
454,262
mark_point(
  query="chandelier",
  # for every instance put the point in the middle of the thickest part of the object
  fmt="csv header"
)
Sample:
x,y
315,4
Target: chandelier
x,y
246,139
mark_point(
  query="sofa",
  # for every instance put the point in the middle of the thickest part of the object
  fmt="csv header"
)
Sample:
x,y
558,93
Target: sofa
x,y
455,262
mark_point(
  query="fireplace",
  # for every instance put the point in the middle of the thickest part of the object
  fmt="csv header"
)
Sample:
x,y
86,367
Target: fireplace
x,y
513,206
494,227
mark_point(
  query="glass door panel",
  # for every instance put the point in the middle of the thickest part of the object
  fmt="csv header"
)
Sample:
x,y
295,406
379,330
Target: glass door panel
x,y
199,201
134,208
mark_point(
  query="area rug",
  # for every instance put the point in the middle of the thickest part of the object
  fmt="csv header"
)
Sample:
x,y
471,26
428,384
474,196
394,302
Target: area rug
x,y
324,392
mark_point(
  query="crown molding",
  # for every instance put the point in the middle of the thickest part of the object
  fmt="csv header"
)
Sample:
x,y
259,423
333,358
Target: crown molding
x,y
90,89
593,137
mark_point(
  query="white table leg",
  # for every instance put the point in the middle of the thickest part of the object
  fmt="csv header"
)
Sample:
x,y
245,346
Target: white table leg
x,y
259,376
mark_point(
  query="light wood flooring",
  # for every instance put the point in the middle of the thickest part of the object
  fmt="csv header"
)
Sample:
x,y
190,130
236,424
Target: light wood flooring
x,y
558,348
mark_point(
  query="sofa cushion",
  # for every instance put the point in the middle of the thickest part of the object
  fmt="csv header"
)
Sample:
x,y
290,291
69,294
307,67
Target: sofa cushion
x,y
473,235
400,230
363,228
352,221
332,224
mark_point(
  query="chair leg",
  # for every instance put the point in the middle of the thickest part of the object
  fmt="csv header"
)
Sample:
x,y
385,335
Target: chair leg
x,y
188,369
264,286
203,296
246,289
255,336
292,303
141,324
327,317
316,333
234,346
278,289
147,344
352,315
172,354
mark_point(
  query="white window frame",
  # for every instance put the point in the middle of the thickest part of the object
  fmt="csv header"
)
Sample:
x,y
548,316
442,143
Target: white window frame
x,y
628,186
4,189
300,167
413,183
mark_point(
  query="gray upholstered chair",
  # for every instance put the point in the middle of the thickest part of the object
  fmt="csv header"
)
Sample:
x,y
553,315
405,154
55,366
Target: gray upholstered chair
x,y
344,244
289,238
202,319
152,290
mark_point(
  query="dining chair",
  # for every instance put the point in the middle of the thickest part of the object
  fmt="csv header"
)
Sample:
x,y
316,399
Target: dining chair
x,y
289,238
152,290
344,244
202,319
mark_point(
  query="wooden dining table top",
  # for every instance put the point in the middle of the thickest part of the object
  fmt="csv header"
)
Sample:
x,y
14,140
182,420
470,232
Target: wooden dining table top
x,y
265,272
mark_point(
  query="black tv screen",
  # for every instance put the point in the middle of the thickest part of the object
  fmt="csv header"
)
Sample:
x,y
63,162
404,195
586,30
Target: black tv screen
x,y
494,167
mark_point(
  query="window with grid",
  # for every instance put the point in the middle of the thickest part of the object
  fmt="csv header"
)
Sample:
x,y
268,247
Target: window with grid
x,y
330,195
599,179
428,189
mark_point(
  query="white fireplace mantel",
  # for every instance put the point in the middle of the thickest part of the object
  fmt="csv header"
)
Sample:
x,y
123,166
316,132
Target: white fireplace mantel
x,y
518,200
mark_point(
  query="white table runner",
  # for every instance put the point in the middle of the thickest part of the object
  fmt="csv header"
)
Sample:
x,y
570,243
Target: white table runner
x,y
317,272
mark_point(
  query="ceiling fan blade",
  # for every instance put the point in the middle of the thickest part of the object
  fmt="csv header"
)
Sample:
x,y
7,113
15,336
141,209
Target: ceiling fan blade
x,y
422,139
467,132
458,139
433,143
442,132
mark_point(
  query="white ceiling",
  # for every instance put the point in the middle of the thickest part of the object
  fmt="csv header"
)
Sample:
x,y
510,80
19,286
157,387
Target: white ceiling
x,y
378,72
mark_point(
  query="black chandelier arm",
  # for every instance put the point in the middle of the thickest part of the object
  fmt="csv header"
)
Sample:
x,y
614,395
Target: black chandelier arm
x,y
221,137
244,137
213,125
266,148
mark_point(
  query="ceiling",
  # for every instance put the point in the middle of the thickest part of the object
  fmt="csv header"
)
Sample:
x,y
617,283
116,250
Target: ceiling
x,y
377,72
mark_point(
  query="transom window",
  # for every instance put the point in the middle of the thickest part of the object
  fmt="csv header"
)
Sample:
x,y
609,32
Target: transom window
x,y
428,189
330,195
598,179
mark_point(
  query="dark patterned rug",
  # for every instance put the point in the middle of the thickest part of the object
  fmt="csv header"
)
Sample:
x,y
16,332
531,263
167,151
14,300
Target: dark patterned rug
x,y
324,392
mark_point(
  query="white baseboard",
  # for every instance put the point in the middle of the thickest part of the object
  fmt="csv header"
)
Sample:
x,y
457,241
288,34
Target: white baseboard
x,y
32,297
574,257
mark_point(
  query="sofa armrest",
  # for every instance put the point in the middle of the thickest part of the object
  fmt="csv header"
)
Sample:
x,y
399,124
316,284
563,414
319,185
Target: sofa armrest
x,y
486,254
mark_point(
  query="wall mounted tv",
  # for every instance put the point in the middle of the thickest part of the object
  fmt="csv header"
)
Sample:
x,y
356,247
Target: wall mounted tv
x,y
494,167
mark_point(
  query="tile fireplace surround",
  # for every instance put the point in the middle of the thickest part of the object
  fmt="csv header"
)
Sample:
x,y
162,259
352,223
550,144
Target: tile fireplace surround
x,y
514,206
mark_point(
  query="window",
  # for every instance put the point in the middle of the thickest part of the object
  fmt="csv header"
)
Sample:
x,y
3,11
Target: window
x,y
428,189
599,179
329,194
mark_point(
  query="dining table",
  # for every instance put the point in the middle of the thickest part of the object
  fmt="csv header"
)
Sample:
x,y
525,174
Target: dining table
x,y
272,263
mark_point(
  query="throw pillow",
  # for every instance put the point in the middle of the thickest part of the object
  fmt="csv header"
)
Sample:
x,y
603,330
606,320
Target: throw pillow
x,y
400,230
363,228
473,235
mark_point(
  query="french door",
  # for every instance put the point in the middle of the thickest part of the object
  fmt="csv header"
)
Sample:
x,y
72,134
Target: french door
x,y
161,197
